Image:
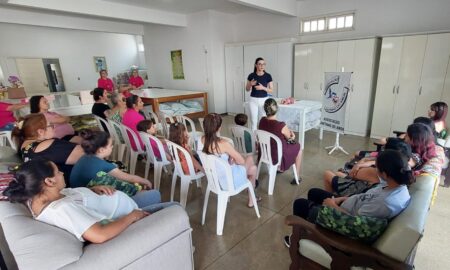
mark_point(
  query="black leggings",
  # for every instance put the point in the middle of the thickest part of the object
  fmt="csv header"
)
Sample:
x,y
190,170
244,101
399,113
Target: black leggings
x,y
316,196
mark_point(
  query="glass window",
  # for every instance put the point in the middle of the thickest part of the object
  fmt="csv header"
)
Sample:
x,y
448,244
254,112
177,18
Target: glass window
x,y
332,23
321,25
313,26
340,22
306,26
348,21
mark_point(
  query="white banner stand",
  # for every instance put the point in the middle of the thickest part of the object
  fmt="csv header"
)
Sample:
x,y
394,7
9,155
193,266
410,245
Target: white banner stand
x,y
337,85
336,146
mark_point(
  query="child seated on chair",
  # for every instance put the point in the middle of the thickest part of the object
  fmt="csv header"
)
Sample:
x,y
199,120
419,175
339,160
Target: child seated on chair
x,y
241,120
149,127
178,134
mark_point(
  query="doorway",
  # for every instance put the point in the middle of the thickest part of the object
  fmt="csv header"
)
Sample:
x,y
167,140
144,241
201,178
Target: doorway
x,y
40,76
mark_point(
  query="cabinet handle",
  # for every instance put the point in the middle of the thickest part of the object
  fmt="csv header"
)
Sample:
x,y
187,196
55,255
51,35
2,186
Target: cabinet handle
x,y
398,89
393,90
420,90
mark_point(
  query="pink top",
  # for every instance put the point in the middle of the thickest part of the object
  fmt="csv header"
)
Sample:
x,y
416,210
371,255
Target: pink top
x,y
106,84
136,81
130,119
6,116
60,130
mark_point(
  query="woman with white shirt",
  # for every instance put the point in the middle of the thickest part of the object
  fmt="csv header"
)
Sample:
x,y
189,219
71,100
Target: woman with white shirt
x,y
260,84
95,215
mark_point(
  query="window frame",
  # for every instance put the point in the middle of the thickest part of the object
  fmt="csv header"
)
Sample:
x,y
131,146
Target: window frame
x,y
327,21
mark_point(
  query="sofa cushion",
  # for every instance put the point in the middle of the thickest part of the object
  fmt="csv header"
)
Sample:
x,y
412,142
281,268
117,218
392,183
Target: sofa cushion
x,y
406,229
30,241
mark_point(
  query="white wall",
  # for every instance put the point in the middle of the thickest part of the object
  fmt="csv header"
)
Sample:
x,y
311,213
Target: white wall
x,y
202,43
74,48
380,17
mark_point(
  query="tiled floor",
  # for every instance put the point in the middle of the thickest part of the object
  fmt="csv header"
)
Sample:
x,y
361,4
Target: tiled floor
x,y
251,243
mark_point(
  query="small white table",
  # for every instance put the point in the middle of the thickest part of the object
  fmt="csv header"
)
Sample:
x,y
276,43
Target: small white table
x,y
302,116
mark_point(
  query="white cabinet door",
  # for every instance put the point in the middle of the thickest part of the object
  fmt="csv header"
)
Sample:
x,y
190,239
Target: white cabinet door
x,y
446,91
390,58
301,63
433,72
235,83
266,51
408,81
329,57
345,63
284,81
359,105
315,72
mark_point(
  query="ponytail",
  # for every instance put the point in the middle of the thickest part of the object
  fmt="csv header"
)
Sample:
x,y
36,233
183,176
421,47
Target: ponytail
x,y
211,124
29,180
93,140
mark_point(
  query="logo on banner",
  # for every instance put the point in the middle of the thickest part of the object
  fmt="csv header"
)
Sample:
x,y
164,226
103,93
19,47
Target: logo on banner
x,y
334,96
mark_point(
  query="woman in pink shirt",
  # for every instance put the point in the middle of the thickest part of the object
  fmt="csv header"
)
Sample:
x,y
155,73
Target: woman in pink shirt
x,y
136,81
62,128
7,118
132,117
105,82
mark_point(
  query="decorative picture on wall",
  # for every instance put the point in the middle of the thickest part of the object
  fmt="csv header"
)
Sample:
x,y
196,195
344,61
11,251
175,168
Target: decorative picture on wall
x,y
100,63
177,65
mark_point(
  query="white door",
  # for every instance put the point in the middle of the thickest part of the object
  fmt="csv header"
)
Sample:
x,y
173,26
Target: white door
x,y
390,58
446,91
408,81
345,64
301,63
266,51
235,86
32,73
434,70
315,72
361,88
285,58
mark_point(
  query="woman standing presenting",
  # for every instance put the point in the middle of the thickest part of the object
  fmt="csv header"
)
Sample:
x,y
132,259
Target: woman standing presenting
x,y
260,83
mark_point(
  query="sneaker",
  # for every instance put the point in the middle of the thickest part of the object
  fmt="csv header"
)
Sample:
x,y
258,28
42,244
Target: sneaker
x,y
287,241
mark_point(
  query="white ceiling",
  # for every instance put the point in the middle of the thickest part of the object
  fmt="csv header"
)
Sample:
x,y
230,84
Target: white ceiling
x,y
187,6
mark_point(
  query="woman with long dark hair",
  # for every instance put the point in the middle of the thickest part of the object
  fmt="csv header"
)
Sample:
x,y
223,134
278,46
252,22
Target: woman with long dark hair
x,y
211,144
260,84
63,129
81,211
438,113
387,200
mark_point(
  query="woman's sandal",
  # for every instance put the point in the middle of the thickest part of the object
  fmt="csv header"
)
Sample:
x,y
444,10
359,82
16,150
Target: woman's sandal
x,y
258,199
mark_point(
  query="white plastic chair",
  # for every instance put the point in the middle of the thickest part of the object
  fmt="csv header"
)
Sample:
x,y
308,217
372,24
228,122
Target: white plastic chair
x,y
175,151
128,134
150,115
119,141
5,137
99,123
212,164
102,123
165,126
200,120
264,138
159,165
238,135
194,135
